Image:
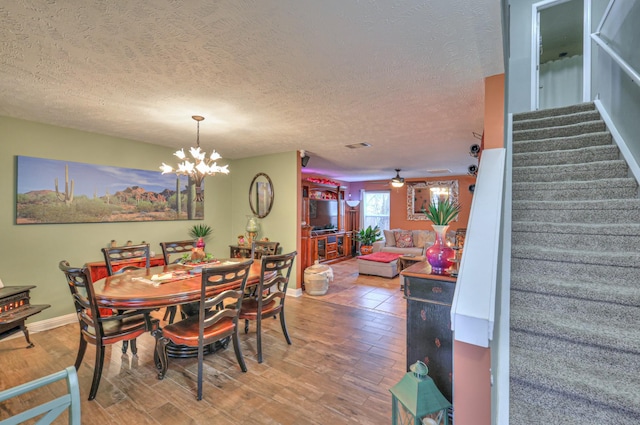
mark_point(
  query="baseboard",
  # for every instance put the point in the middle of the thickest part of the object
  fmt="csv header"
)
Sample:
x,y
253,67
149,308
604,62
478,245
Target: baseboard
x,y
47,324
297,292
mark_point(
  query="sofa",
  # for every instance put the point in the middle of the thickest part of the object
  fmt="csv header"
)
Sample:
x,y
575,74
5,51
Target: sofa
x,y
413,242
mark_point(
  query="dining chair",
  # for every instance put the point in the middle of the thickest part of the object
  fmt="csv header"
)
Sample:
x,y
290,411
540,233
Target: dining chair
x,y
120,259
269,296
260,248
172,253
100,330
212,323
171,249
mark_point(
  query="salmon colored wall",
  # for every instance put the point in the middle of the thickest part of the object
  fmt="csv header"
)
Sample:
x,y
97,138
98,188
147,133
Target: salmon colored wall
x,y
472,401
472,364
494,112
398,219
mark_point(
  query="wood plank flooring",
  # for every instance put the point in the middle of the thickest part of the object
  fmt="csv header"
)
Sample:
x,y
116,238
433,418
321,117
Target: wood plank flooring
x,y
348,350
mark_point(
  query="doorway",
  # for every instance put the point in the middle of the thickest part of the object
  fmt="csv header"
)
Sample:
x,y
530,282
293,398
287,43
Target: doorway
x,y
560,53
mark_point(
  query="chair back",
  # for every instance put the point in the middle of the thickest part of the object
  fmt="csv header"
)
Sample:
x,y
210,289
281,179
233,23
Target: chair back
x,y
217,276
84,299
50,410
120,258
276,287
262,248
176,248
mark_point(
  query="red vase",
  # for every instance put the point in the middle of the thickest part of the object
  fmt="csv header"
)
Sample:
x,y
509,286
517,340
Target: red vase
x,y
200,243
439,255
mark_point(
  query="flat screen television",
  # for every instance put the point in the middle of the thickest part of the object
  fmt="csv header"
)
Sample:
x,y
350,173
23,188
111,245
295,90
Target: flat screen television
x,y
323,214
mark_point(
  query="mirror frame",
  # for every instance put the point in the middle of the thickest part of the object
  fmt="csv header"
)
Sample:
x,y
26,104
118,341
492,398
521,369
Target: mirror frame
x,y
414,215
259,210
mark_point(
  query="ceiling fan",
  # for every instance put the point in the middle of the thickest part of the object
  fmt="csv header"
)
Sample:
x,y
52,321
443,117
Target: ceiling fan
x,y
397,181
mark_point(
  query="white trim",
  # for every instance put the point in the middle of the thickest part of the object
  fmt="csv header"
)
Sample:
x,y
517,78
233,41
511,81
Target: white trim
x,y
634,168
297,292
47,324
474,303
586,52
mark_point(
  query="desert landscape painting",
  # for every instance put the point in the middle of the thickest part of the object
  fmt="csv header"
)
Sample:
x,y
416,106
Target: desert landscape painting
x,y
54,191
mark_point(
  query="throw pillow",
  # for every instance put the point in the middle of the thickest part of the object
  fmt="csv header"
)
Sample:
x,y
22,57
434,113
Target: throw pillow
x,y
389,238
404,239
420,238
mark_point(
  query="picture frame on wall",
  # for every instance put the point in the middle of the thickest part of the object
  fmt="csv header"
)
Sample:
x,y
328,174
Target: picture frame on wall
x,y
50,191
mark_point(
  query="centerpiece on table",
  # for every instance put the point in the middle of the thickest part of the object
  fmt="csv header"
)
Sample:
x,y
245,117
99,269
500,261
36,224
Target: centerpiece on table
x,y
200,232
439,255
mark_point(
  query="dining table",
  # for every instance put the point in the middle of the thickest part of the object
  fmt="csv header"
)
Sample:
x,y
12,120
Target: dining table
x,y
163,286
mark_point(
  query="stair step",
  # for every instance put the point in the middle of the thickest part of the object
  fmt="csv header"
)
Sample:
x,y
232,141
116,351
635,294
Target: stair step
x,y
553,269
563,131
563,110
621,188
531,403
623,293
592,371
613,211
582,171
611,237
600,138
556,120
576,320
576,258
567,156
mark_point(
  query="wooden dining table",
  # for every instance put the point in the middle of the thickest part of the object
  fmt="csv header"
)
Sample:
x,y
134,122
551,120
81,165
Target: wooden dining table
x,y
136,290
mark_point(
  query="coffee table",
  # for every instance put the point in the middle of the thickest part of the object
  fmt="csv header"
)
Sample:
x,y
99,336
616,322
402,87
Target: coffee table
x,y
408,260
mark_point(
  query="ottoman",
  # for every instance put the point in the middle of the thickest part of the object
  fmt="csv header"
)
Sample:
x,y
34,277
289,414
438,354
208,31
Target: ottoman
x,y
383,264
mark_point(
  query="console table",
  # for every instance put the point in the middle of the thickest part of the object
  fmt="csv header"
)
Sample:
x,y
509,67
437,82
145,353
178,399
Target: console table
x,y
15,310
98,269
429,335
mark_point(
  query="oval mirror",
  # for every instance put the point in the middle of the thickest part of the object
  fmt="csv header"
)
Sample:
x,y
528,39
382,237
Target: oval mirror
x,y
261,195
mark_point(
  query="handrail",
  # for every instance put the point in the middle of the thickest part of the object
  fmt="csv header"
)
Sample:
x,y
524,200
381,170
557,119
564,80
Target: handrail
x,y
474,301
628,69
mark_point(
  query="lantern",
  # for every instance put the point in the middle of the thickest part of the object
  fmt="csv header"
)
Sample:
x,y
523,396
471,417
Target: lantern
x,y
252,229
416,399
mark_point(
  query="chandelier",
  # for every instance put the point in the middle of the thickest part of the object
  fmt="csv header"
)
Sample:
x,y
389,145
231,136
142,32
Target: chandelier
x,y
201,166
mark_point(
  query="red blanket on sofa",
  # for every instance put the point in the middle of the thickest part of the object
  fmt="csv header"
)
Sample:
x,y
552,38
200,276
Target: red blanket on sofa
x,y
381,257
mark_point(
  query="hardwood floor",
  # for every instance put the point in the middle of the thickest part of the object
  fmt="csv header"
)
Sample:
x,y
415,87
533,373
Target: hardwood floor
x,y
348,350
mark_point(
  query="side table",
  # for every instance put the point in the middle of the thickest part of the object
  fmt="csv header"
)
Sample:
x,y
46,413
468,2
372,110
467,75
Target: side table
x,y
407,261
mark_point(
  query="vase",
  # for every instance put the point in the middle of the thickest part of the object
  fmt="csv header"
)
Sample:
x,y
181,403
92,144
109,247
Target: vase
x,y
439,255
200,243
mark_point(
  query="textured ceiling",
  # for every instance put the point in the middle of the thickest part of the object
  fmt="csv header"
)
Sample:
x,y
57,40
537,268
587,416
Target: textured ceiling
x,y
269,76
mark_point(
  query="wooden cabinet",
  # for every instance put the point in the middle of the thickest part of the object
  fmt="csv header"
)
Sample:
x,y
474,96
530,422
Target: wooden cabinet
x,y
324,237
429,335
98,269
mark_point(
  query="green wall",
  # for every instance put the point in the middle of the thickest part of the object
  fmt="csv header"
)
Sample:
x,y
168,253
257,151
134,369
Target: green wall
x,y
29,254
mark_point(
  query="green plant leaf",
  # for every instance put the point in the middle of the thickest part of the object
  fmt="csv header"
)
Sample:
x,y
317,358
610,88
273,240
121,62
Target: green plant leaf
x,y
200,230
443,213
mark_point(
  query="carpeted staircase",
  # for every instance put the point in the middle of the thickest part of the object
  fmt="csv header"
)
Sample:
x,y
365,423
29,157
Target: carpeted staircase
x,y
575,277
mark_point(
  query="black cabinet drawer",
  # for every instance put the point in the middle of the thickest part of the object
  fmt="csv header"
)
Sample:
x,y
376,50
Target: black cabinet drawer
x,y
429,290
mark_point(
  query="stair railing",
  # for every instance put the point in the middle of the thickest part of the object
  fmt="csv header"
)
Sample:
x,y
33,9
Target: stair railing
x,y
618,88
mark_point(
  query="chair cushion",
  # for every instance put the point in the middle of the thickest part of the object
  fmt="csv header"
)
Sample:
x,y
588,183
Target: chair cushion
x,y
185,332
249,309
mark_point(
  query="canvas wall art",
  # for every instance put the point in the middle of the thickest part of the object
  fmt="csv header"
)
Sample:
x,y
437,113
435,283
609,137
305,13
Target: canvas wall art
x,y
53,191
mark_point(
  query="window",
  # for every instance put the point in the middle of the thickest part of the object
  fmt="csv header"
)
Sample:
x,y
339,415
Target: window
x,y
376,209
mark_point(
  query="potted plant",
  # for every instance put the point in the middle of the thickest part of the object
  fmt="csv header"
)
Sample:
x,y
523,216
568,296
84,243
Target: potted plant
x,y
439,255
367,237
200,232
